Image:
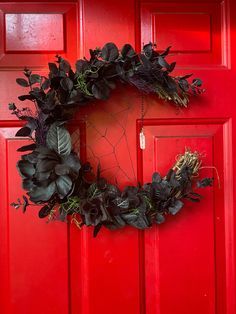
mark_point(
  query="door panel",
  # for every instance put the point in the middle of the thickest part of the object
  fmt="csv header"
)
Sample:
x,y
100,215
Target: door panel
x,y
184,266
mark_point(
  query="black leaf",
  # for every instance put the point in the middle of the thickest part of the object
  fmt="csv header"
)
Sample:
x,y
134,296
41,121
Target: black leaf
x,y
58,139
110,52
197,82
53,68
127,51
64,65
97,228
42,194
46,84
160,218
45,211
66,84
64,185
26,97
25,131
82,66
25,203
26,148
34,78
22,82
176,207
25,168
100,90
205,182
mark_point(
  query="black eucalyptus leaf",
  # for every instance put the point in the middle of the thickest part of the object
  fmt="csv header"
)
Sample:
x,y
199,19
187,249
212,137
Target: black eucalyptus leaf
x,y
64,65
22,82
127,51
109,52
46,84
67,84
45,211
53,68
25,203
35,78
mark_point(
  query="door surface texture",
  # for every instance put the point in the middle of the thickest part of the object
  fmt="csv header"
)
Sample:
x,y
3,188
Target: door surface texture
x,y
185,266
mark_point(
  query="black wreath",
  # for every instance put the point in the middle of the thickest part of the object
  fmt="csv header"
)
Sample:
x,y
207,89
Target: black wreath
x,y
53,175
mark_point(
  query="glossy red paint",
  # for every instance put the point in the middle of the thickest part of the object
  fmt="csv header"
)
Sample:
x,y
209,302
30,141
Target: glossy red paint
x,y
186,266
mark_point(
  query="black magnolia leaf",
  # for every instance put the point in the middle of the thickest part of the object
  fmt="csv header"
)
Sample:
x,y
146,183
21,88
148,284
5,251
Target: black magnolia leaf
x,y
64,185
66,84
25,131
110,52
42,194
58,139
72,161
26,148
26,169
22,82
62,169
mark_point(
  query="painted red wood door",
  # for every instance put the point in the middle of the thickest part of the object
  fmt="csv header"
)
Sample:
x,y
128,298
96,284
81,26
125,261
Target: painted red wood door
x,y
186,266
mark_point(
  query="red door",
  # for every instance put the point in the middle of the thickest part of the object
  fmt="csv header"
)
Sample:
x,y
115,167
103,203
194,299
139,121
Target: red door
x,y
185,266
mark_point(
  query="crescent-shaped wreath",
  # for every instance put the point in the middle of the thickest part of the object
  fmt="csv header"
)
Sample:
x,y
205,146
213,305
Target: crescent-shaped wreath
x,y
51,171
